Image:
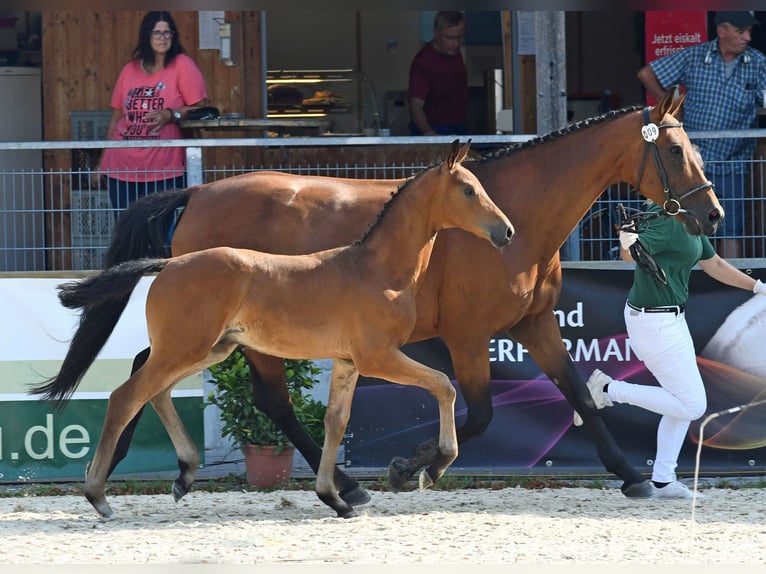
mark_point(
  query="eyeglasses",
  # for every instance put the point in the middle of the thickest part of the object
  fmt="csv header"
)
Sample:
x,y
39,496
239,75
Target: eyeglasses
x,y
157,34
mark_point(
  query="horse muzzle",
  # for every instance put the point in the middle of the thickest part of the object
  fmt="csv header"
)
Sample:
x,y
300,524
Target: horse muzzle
x,y
502,234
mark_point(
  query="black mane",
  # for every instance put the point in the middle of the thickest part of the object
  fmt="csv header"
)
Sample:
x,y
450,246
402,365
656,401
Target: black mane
x,y
550,136
394,195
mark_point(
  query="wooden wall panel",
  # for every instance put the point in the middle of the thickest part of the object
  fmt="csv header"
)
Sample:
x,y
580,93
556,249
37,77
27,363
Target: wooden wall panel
x,y
83,53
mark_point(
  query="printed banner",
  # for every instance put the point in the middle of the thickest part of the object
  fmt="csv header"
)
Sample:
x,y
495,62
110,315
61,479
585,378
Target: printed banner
x,y
532,424
39,442
668,32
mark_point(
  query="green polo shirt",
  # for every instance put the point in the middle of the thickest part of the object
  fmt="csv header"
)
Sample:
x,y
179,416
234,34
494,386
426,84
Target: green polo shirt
x,y
676,252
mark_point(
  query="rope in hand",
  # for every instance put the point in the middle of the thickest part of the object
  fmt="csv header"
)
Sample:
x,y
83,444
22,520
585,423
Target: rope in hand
x,y
709,418
638,252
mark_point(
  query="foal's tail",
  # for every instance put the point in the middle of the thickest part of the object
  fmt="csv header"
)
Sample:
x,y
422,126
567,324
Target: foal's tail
x,y
146,228
102,299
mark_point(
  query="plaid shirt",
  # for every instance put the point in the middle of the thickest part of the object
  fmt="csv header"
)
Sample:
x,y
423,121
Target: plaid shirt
x,y
715,103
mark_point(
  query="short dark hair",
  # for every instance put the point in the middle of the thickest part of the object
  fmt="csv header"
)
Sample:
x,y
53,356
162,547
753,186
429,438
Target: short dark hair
x,y
143,50
448,18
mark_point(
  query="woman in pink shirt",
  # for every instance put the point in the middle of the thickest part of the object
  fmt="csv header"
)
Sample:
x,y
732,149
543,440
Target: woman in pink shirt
x,y
154,91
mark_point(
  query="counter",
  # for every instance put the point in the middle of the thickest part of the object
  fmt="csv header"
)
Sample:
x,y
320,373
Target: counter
x,y
282,126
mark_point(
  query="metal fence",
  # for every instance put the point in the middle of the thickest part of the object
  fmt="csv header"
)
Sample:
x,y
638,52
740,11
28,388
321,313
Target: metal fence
x,y
59,221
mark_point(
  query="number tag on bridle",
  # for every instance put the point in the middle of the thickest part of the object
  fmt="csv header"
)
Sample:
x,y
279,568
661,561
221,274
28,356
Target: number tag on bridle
x,y
650,132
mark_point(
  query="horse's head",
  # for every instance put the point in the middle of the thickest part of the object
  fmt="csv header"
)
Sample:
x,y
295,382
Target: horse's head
x,y
465,203
673,177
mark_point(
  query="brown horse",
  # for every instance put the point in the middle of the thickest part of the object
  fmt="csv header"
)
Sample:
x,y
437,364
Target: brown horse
x,y
355,304
470,293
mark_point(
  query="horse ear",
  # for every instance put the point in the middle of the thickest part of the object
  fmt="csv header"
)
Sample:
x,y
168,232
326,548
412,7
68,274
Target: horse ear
x,y
677,110
666,103
453,154
464,151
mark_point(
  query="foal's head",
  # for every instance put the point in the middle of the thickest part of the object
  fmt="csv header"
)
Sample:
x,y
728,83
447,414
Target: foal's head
x,y
464,202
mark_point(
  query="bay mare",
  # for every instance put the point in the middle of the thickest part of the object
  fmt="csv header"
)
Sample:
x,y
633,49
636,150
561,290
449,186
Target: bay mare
x,y
355,304
470,292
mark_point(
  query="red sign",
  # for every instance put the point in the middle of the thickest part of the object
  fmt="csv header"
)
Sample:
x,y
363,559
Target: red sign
x,y
668,32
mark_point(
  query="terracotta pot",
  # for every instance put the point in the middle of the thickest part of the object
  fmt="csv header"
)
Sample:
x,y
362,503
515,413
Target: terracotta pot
x,y
265,469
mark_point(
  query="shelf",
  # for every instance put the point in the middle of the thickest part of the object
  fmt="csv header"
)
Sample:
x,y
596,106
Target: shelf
x,y
331,94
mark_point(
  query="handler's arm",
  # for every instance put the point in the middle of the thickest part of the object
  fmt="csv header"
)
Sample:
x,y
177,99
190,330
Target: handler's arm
x,y
723,271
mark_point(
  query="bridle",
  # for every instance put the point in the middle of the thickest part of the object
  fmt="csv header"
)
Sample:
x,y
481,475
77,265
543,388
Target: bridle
x,y
650,132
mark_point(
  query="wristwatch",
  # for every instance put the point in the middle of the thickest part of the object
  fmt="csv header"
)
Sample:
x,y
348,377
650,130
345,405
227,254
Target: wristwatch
x,y
175,115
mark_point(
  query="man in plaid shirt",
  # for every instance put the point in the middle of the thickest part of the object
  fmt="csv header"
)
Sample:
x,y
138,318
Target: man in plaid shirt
x,y
725,81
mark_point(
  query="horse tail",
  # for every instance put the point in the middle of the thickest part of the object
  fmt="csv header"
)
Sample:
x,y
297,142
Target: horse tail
x,y
102,298
145,228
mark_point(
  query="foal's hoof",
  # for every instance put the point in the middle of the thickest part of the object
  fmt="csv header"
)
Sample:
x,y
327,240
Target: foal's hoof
x,y
643,489
102,507
179,491
357,496
398,475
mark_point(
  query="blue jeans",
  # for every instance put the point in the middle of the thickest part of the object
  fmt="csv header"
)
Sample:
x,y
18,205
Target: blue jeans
x,y
730,189
123,193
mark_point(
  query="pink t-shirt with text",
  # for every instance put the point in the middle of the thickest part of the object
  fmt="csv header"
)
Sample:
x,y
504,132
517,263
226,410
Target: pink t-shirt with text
x,y
137,93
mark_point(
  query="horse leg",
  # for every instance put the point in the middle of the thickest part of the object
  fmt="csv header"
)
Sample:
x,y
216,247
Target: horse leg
x,y
270,395
188,456
541,336
123,444
399,368
471,365
344,377
124,403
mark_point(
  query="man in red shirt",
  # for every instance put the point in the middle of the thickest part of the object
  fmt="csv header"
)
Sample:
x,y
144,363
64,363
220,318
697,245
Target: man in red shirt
x,y
438,88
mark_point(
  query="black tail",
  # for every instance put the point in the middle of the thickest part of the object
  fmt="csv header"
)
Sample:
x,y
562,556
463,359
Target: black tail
x,y
102,299
146,227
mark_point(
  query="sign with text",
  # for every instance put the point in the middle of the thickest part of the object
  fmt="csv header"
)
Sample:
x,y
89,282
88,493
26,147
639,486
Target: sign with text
x,y
39,441
669,32
532,425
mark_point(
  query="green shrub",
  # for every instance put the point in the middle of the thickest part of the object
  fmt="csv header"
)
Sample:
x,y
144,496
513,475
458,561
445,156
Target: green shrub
x,y
243,422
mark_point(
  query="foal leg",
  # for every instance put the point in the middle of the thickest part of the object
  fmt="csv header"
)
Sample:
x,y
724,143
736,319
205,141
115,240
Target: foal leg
x,y
127,435
344,377
471,365
188,456
270,394
124,403
399,368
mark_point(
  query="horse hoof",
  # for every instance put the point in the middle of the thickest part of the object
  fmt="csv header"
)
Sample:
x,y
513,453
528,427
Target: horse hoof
x,y
104,510
397,473
349,514
179,491
424,480
643,489
356,496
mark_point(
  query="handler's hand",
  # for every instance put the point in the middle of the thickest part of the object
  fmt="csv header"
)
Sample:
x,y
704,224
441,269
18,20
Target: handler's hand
x,y
627,239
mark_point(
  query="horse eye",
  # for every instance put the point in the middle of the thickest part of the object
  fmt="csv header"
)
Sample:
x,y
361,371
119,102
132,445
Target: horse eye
x,y
469,191
676,149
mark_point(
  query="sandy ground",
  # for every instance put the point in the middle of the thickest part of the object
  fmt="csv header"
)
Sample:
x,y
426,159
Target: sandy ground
x,y
510,525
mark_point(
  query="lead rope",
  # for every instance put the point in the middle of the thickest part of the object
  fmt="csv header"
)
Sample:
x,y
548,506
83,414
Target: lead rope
x,y
709,418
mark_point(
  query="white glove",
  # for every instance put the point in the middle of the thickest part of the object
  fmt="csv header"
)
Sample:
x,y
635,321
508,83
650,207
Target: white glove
x,y
759,287
627,239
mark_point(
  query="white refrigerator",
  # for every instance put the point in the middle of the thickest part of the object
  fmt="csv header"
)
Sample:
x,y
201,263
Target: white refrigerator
x,y
22,231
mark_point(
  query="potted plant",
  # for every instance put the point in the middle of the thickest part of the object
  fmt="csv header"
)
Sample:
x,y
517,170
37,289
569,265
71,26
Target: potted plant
x,y
268,452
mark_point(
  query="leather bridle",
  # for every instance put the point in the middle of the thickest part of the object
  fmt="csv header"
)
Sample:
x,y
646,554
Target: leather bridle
x,y
650,132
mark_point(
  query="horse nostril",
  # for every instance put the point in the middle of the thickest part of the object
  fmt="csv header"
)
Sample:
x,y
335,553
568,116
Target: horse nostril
x,y
715,215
